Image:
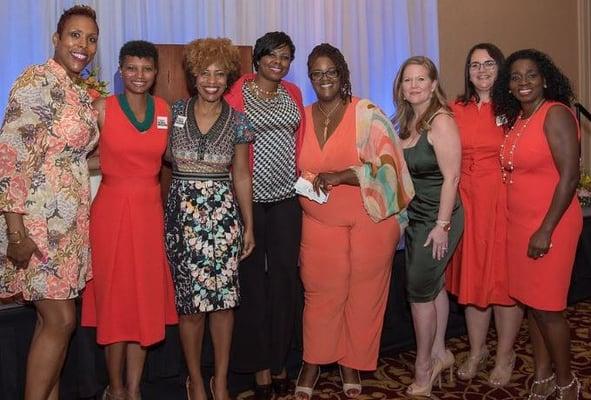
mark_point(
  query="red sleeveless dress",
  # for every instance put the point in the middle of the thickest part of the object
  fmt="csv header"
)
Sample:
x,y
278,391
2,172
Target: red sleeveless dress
x,y
131,297
543,283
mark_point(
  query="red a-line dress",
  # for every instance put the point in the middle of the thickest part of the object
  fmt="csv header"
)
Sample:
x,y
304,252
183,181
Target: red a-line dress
x,y
477,273
131,297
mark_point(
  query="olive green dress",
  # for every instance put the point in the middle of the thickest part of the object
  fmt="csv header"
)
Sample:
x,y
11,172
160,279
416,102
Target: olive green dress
x,y
424,274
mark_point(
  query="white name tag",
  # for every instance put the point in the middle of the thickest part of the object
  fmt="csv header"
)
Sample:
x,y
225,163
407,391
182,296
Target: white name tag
x,y
501,120
180,121
162,122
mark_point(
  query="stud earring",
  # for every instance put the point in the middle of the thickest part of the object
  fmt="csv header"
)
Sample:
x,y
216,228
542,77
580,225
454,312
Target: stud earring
x,y
545,86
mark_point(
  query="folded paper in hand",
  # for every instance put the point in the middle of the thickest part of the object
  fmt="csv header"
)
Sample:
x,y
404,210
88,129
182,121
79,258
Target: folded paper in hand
x,y
304,188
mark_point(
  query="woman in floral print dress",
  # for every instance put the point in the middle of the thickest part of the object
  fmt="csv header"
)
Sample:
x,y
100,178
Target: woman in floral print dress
x,y
48,130
207,230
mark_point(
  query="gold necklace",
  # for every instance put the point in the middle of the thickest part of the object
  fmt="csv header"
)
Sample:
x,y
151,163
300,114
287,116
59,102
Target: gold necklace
x,y
327,116
507,169
267,93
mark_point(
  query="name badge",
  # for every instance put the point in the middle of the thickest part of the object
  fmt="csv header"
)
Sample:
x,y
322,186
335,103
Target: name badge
x,y
162,122
501,120
180,121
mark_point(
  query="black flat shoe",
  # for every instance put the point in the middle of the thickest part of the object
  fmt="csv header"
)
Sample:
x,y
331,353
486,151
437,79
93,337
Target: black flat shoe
x,y
263,392
281,386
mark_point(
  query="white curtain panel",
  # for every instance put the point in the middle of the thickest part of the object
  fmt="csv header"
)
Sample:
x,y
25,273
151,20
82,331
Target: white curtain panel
x,y
375,36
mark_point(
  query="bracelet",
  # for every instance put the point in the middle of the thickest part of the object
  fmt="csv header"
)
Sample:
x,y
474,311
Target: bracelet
x,y
446,225
20,237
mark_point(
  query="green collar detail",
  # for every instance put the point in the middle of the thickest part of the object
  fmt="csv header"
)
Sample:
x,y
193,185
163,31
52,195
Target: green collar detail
x,y
147,122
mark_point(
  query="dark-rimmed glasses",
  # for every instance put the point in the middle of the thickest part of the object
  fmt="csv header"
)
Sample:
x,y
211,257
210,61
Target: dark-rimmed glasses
x,y
331,74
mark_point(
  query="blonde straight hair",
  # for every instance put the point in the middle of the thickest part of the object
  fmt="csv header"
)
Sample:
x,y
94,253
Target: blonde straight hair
x,y
404,111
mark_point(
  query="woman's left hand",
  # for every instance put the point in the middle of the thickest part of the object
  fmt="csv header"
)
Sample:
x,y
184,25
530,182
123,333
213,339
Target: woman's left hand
x,y
439,238
325,181
539,244
247,244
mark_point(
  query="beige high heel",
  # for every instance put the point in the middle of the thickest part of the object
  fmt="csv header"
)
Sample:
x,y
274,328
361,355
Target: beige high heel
x,y
501,375
351,390
301,391
415,390
472,365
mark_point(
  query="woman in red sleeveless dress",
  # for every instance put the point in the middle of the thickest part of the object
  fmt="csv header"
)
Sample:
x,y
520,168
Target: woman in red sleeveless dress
x,y
540,167
131,298
477,274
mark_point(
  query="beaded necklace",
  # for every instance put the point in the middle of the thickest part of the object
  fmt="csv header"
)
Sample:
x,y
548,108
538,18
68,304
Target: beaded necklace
x,y
507,169
267,93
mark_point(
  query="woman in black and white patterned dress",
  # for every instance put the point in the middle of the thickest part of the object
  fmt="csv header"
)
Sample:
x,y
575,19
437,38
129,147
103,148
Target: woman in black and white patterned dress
x,y
207,230
268,278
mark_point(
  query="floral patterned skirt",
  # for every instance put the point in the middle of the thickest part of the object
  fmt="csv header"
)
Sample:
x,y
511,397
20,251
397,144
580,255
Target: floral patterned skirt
x,y
203,244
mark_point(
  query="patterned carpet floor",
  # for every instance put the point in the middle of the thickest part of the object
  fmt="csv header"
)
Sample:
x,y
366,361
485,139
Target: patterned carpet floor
x,y
394,372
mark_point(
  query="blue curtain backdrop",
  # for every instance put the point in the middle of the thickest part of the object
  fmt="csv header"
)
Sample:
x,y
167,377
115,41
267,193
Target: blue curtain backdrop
x,y
375,36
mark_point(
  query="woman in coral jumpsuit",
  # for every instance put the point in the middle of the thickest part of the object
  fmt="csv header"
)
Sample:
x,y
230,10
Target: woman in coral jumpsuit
x,y
347,243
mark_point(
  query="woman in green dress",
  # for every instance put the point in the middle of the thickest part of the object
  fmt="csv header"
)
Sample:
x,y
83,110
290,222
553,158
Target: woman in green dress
x,y
432,151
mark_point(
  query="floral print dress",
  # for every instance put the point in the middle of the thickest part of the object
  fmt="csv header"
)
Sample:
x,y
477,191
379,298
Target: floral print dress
x,y
202,221
48,130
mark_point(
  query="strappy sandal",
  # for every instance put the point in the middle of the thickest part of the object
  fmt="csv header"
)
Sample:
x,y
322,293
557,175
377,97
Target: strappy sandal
x,y
537,382
573,383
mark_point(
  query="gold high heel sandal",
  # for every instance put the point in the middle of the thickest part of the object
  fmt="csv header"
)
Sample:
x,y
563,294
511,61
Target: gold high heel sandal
x,y
573,383
472,365
501,375
107,395
537,382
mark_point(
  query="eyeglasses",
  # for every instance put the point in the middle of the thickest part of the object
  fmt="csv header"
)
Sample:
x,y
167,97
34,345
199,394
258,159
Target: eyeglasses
x,y
331,74
487,65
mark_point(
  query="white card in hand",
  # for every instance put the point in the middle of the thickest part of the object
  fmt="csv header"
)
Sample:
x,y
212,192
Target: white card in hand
x,y
304,188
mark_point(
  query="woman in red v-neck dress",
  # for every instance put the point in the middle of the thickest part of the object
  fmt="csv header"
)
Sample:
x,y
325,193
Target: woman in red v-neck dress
x,y
131,298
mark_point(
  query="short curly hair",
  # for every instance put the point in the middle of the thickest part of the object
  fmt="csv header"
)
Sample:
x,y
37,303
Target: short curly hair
x,y
138,48
77,10
335,55
557,86
201,53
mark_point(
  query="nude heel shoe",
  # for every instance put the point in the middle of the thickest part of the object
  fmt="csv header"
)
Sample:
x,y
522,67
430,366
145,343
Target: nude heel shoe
x,y
447,362
501,375
305,390
351,387
472,365
415,390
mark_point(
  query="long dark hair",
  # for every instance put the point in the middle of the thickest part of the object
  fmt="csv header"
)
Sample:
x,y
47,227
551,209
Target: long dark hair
x,y
470,93
557,87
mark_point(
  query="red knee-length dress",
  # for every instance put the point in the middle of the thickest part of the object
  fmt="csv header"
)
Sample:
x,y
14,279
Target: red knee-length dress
x,y
131,297
477,273
542,283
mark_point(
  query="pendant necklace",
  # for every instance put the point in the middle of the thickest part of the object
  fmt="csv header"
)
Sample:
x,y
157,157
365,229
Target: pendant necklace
x,y
327,116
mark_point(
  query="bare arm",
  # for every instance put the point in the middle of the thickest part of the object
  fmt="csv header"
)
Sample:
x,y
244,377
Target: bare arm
x,y
445,138
93,159
561,133
243,188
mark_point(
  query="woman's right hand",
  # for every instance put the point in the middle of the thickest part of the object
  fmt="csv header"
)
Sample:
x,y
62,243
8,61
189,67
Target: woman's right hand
x,y
439,238
20,253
